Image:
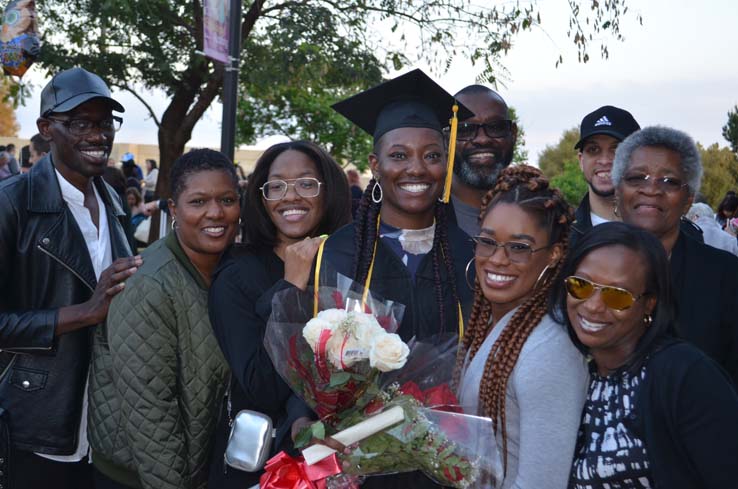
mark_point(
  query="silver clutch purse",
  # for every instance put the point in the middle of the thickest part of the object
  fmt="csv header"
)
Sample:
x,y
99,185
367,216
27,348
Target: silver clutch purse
x,y
250,441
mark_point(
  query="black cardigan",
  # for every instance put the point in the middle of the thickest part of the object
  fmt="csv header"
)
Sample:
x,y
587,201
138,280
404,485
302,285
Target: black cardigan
x,y
705,282
240,305
686,413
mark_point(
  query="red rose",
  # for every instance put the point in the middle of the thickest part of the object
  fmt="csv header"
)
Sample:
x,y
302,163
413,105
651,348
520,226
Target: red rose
x,y
441,397
411,389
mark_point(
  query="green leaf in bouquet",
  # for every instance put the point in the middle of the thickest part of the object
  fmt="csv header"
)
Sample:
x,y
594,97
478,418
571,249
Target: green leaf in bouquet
x,y
318,430
303,437
339,378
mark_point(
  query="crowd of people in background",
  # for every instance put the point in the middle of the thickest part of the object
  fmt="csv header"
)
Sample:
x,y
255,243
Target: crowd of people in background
x,y
601,340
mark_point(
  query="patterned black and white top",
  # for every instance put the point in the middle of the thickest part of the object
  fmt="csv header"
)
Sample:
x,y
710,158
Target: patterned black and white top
x,y
608,454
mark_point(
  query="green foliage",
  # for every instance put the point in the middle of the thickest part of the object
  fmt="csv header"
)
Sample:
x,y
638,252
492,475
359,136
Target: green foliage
x,y
571,183
554,158
157,44
720,172
520,154
730,130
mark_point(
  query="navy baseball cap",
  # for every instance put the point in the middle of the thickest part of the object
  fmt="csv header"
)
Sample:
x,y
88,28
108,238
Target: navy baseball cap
x,y
73,87
608,120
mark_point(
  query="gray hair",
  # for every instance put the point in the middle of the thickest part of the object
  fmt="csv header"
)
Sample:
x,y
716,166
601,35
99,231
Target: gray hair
x,y
699,210
664,137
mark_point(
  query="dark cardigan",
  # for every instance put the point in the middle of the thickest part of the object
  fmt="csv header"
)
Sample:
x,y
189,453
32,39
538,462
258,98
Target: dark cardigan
x,y
686,413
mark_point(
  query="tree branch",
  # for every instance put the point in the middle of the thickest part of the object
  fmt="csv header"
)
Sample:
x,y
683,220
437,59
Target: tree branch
x,y
144,102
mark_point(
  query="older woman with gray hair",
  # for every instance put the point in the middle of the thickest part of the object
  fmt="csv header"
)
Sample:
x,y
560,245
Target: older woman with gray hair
x,y
657,172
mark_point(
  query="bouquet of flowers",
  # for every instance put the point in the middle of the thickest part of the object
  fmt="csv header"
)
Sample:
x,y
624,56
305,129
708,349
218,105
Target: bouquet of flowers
x,y
388,401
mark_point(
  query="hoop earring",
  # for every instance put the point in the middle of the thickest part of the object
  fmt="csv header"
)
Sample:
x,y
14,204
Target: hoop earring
x,y
174,224
615,210
647,320
541,280
375,199
466,273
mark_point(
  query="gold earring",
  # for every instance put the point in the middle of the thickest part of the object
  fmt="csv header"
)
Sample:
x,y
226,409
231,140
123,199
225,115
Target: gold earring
x,y
541,281
466,273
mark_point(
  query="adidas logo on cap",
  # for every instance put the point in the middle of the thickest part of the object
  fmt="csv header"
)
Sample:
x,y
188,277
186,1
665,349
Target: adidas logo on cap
x,y
603,121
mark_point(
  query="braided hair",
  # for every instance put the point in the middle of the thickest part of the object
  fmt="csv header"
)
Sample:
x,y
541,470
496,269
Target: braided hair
x,y
367,233
526,187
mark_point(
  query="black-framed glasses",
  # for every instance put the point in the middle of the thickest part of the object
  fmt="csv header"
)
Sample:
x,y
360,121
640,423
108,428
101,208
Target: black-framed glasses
x,y
304,187
616,298
467,131
515,251
82,127
664,184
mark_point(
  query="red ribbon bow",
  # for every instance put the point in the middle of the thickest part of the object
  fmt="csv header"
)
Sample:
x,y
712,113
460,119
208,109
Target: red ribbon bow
x,y
285,472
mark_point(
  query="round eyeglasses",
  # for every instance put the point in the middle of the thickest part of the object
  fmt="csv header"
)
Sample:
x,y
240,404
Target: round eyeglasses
x,y
515,251
82,127
304,187
615,298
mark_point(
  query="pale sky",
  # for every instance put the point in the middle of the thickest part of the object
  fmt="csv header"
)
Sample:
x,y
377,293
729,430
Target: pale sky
x,y
679,69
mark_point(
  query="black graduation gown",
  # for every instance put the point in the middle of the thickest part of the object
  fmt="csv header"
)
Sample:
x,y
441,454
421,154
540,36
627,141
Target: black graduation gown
x,y
705,281
392,281
240,304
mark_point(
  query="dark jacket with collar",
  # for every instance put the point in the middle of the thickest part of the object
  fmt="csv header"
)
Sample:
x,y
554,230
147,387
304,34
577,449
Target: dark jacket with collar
x,y
705,285
686,413
45,266
583,223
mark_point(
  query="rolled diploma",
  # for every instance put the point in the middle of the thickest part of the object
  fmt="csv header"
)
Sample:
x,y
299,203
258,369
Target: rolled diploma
x,y
356,433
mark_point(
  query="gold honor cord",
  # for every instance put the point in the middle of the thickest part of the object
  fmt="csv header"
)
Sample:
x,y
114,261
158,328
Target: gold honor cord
x,y
365,295
451,155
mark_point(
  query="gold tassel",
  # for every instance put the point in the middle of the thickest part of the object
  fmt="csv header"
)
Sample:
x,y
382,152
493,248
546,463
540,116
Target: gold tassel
x,y
451,154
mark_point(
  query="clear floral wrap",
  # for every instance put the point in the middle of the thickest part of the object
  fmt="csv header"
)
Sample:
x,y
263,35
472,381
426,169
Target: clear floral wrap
x,y
347,364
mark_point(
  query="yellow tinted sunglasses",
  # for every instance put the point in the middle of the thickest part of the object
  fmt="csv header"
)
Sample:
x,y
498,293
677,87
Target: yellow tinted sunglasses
x,y
613,297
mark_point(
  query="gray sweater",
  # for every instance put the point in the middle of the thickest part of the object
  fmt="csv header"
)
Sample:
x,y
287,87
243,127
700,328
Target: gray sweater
x,y
545,395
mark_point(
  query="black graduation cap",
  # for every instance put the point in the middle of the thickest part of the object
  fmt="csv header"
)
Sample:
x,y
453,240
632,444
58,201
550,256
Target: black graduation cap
x,y
410,100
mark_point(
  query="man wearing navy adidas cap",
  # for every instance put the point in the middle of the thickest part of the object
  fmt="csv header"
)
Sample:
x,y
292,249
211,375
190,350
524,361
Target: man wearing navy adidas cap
x,y
600,133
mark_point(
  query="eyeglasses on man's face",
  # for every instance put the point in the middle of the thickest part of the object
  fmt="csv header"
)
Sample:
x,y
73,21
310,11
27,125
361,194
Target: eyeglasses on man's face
x,y
83,127
468,130
643,180
304,187
615,298
516,252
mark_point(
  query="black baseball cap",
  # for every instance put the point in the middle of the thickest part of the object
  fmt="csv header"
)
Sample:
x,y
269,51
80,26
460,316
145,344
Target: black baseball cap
x,y
410,100
607,120
73,87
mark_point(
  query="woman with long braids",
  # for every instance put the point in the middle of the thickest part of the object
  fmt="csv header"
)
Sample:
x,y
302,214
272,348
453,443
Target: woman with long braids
x,y
519,365
401,245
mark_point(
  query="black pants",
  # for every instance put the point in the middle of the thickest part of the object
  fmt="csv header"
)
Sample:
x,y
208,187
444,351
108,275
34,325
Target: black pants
x,y
29,471
102,481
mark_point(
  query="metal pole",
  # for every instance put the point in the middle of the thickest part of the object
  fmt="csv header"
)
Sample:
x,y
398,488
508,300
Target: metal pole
x,y
230,83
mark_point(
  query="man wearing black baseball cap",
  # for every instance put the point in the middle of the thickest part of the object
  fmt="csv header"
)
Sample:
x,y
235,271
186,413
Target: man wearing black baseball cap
x,y
600,133
63,256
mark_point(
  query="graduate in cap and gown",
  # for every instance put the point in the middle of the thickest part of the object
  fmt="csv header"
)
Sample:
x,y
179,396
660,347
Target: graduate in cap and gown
x,y
401,244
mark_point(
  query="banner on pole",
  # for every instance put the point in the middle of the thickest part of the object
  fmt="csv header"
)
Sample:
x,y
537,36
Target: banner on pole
x,y
216,20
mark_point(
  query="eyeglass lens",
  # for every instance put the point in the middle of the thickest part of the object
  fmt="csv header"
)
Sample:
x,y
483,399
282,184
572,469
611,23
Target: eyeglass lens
x,y
304,187
497,129
516,252
665,184
613,297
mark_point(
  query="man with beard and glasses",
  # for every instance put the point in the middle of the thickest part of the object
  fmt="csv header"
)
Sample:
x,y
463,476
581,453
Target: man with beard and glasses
x,y
63,257
600,133
484,147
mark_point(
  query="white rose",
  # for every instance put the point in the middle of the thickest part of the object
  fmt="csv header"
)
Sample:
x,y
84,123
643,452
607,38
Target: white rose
x,y
344,350
312,330
367,328
388,352
333,316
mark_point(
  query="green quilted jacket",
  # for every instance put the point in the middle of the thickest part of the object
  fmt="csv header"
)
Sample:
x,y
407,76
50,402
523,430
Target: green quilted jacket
x,y
157,378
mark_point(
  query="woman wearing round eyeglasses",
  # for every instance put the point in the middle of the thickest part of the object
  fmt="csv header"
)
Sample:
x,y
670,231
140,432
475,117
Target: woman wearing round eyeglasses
x,y
659,412
296,193
657,172
520,368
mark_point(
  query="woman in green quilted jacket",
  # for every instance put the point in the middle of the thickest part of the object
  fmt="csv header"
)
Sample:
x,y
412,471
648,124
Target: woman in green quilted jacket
x,y
158,375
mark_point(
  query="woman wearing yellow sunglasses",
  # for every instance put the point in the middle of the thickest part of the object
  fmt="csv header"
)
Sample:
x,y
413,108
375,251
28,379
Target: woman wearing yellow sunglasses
x,y
659,412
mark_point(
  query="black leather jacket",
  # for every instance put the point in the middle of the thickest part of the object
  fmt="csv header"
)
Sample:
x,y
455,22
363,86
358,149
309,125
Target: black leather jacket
x,y
44,265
